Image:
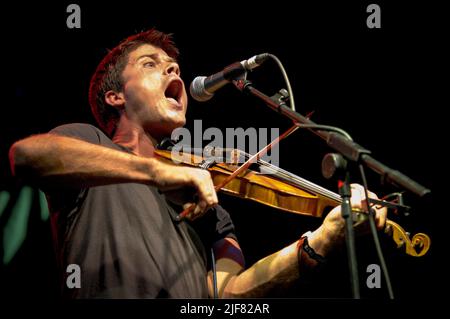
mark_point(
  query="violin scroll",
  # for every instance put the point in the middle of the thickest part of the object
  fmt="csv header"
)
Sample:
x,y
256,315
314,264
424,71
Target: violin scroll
x,y
416,247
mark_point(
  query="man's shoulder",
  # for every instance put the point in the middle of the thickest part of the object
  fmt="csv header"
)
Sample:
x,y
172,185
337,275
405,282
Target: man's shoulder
x,y
75,127
83,131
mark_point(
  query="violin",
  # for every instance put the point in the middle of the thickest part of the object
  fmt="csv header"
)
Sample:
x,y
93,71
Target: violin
x,y
270,185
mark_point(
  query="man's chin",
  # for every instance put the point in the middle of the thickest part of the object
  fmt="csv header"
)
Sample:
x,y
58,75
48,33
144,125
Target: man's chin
x,y
167,127
178,123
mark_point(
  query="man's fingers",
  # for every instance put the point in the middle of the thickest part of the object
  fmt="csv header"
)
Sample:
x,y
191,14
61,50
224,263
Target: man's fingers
x,y
200,209
357,196
359,201
187,205
206,193
382,218
180,183
380,212
205,188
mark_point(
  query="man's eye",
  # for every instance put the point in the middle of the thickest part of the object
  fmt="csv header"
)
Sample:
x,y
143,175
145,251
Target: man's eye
x,y
150,64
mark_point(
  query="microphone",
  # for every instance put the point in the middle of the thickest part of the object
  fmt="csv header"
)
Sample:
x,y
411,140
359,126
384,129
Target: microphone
x,y
202,88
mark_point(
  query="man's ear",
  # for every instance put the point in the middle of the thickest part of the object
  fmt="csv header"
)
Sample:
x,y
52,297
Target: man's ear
x,y
116,100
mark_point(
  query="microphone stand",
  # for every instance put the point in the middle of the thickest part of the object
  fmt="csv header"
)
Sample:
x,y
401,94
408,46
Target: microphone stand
x,y
349,149
352,152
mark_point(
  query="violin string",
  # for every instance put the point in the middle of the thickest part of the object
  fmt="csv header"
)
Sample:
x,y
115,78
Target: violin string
x,y
279,172
313,187
309,185
297,180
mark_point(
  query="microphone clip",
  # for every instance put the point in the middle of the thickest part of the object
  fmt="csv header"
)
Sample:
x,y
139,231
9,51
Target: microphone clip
x,y
280,97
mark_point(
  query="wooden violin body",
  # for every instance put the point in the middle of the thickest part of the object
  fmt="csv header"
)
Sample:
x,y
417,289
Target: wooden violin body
x,y
270,185
267,189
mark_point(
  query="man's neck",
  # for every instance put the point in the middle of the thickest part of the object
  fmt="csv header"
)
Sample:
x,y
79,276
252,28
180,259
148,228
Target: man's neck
x,y
133,137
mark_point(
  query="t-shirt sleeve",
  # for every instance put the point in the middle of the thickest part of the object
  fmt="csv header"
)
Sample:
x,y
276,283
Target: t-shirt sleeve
x,y
62,196
224,225
84,132
215,225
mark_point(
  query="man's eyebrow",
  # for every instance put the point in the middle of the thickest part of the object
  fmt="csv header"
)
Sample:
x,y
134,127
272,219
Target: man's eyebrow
x,y
156,57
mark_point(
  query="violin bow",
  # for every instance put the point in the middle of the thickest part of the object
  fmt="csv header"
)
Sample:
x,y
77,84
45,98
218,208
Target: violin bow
x,y
254,158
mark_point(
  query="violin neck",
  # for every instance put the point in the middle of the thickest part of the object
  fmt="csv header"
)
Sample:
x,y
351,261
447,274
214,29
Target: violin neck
x,y
298,181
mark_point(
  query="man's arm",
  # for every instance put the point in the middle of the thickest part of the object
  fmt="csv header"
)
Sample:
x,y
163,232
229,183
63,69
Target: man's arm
x,y
281,269
274,272
59,161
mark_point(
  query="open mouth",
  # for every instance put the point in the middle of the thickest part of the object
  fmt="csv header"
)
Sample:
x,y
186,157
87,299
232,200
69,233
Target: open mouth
x,y
174,91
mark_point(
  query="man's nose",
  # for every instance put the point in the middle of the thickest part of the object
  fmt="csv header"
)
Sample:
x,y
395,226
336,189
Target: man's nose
x,y
173,67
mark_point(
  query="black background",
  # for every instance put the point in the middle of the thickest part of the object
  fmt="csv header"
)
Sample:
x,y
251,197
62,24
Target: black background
x,y
377,84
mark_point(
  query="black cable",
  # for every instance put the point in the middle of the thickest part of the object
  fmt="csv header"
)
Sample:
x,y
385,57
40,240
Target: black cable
x,y
292,102
326,128
286,80
213,262
374,232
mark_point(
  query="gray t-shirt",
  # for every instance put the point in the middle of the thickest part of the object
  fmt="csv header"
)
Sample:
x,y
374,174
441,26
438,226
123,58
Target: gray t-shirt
x,y
125,238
